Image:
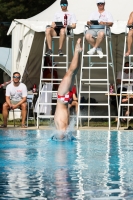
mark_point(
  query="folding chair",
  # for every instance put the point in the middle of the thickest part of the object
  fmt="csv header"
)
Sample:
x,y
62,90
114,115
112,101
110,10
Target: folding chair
x,y
30,106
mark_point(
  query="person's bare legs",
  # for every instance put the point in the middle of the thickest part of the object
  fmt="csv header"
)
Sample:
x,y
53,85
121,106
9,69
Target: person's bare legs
x,y
70,74
76,107
62,37
127,113
129,42
75,104
99,38
5,113
50,32
90,39
23,112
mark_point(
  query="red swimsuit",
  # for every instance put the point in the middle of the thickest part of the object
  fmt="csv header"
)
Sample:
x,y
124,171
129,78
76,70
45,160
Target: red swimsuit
x,y
66,98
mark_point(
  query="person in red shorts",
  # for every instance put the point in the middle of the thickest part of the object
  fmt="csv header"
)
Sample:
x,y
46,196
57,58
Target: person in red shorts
x,y
61,117
74,99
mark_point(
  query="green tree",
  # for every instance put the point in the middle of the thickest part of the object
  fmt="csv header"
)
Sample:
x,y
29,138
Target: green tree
x,y
18,9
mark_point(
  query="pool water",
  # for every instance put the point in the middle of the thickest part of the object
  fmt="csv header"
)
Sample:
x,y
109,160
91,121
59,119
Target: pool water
x,y
98,165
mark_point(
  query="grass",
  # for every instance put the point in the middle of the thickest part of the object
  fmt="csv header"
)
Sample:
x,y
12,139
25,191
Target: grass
x,y
44,122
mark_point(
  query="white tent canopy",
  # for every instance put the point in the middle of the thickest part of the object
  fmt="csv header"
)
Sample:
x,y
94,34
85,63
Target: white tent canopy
x,y
5,60
82,9
5,72
28,34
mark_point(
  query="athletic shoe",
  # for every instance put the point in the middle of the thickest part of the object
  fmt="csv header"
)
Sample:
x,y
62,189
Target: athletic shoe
x,y
60,52
99,52
49,52
91,51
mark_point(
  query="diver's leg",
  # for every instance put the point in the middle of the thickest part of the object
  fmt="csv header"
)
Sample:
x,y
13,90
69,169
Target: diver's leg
x,y
72,71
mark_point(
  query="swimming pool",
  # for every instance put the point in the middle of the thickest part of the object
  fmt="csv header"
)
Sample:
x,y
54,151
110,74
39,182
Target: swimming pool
x,y
99,165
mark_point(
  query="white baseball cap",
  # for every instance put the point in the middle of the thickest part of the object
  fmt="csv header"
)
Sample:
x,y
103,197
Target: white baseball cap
x,y
100,1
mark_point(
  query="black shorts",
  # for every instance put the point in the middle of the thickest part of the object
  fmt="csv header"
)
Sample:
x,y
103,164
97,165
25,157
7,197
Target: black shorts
x,y
57,30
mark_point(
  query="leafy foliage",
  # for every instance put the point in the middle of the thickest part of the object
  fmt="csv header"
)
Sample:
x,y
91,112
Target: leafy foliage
x,y
18,9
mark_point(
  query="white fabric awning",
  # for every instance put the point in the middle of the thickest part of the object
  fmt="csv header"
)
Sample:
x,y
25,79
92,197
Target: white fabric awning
x,y
82,10
40,26
5,60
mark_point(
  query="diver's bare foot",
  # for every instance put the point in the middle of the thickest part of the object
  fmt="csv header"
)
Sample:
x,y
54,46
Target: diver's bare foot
x,y
127,54
78,46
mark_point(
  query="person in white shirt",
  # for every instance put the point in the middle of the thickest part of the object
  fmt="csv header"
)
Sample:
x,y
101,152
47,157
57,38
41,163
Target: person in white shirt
x,y
130,34
52,30
104,18
16,97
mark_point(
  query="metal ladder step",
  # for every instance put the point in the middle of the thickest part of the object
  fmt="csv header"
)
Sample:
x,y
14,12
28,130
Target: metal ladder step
x,y
86,55
54,67
93,104
92,67
45,116
129,85
95,80
93,92
62,65
96,83
86,85
56,55
94,117
49,79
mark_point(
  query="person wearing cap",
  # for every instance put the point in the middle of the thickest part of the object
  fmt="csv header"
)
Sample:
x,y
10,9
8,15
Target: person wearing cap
x,y
130,34
52,30
104,18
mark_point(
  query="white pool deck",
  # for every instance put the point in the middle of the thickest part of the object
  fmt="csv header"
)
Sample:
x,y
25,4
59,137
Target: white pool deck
x,y
48,128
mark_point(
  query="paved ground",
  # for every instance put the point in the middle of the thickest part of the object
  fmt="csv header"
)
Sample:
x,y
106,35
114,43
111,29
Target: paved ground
x,y
48,127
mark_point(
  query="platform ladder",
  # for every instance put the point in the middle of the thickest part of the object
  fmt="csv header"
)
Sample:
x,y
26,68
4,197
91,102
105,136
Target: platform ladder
x,y
90,85
129,84
60,63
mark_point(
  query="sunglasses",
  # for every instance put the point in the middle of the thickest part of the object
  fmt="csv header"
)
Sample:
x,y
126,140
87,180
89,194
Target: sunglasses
x,y
100,4
65,5
16,77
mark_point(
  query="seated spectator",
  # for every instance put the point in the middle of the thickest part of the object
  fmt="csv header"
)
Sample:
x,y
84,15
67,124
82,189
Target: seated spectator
x,y
124,88
130,35
16,96
125,76
104,18
52,30
74,100
128,111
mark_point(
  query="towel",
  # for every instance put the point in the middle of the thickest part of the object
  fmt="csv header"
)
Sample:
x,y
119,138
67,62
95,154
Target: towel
x,y
45,97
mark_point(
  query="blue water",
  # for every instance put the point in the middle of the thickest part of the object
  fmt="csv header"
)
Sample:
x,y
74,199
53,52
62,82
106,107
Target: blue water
x,y
98,165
